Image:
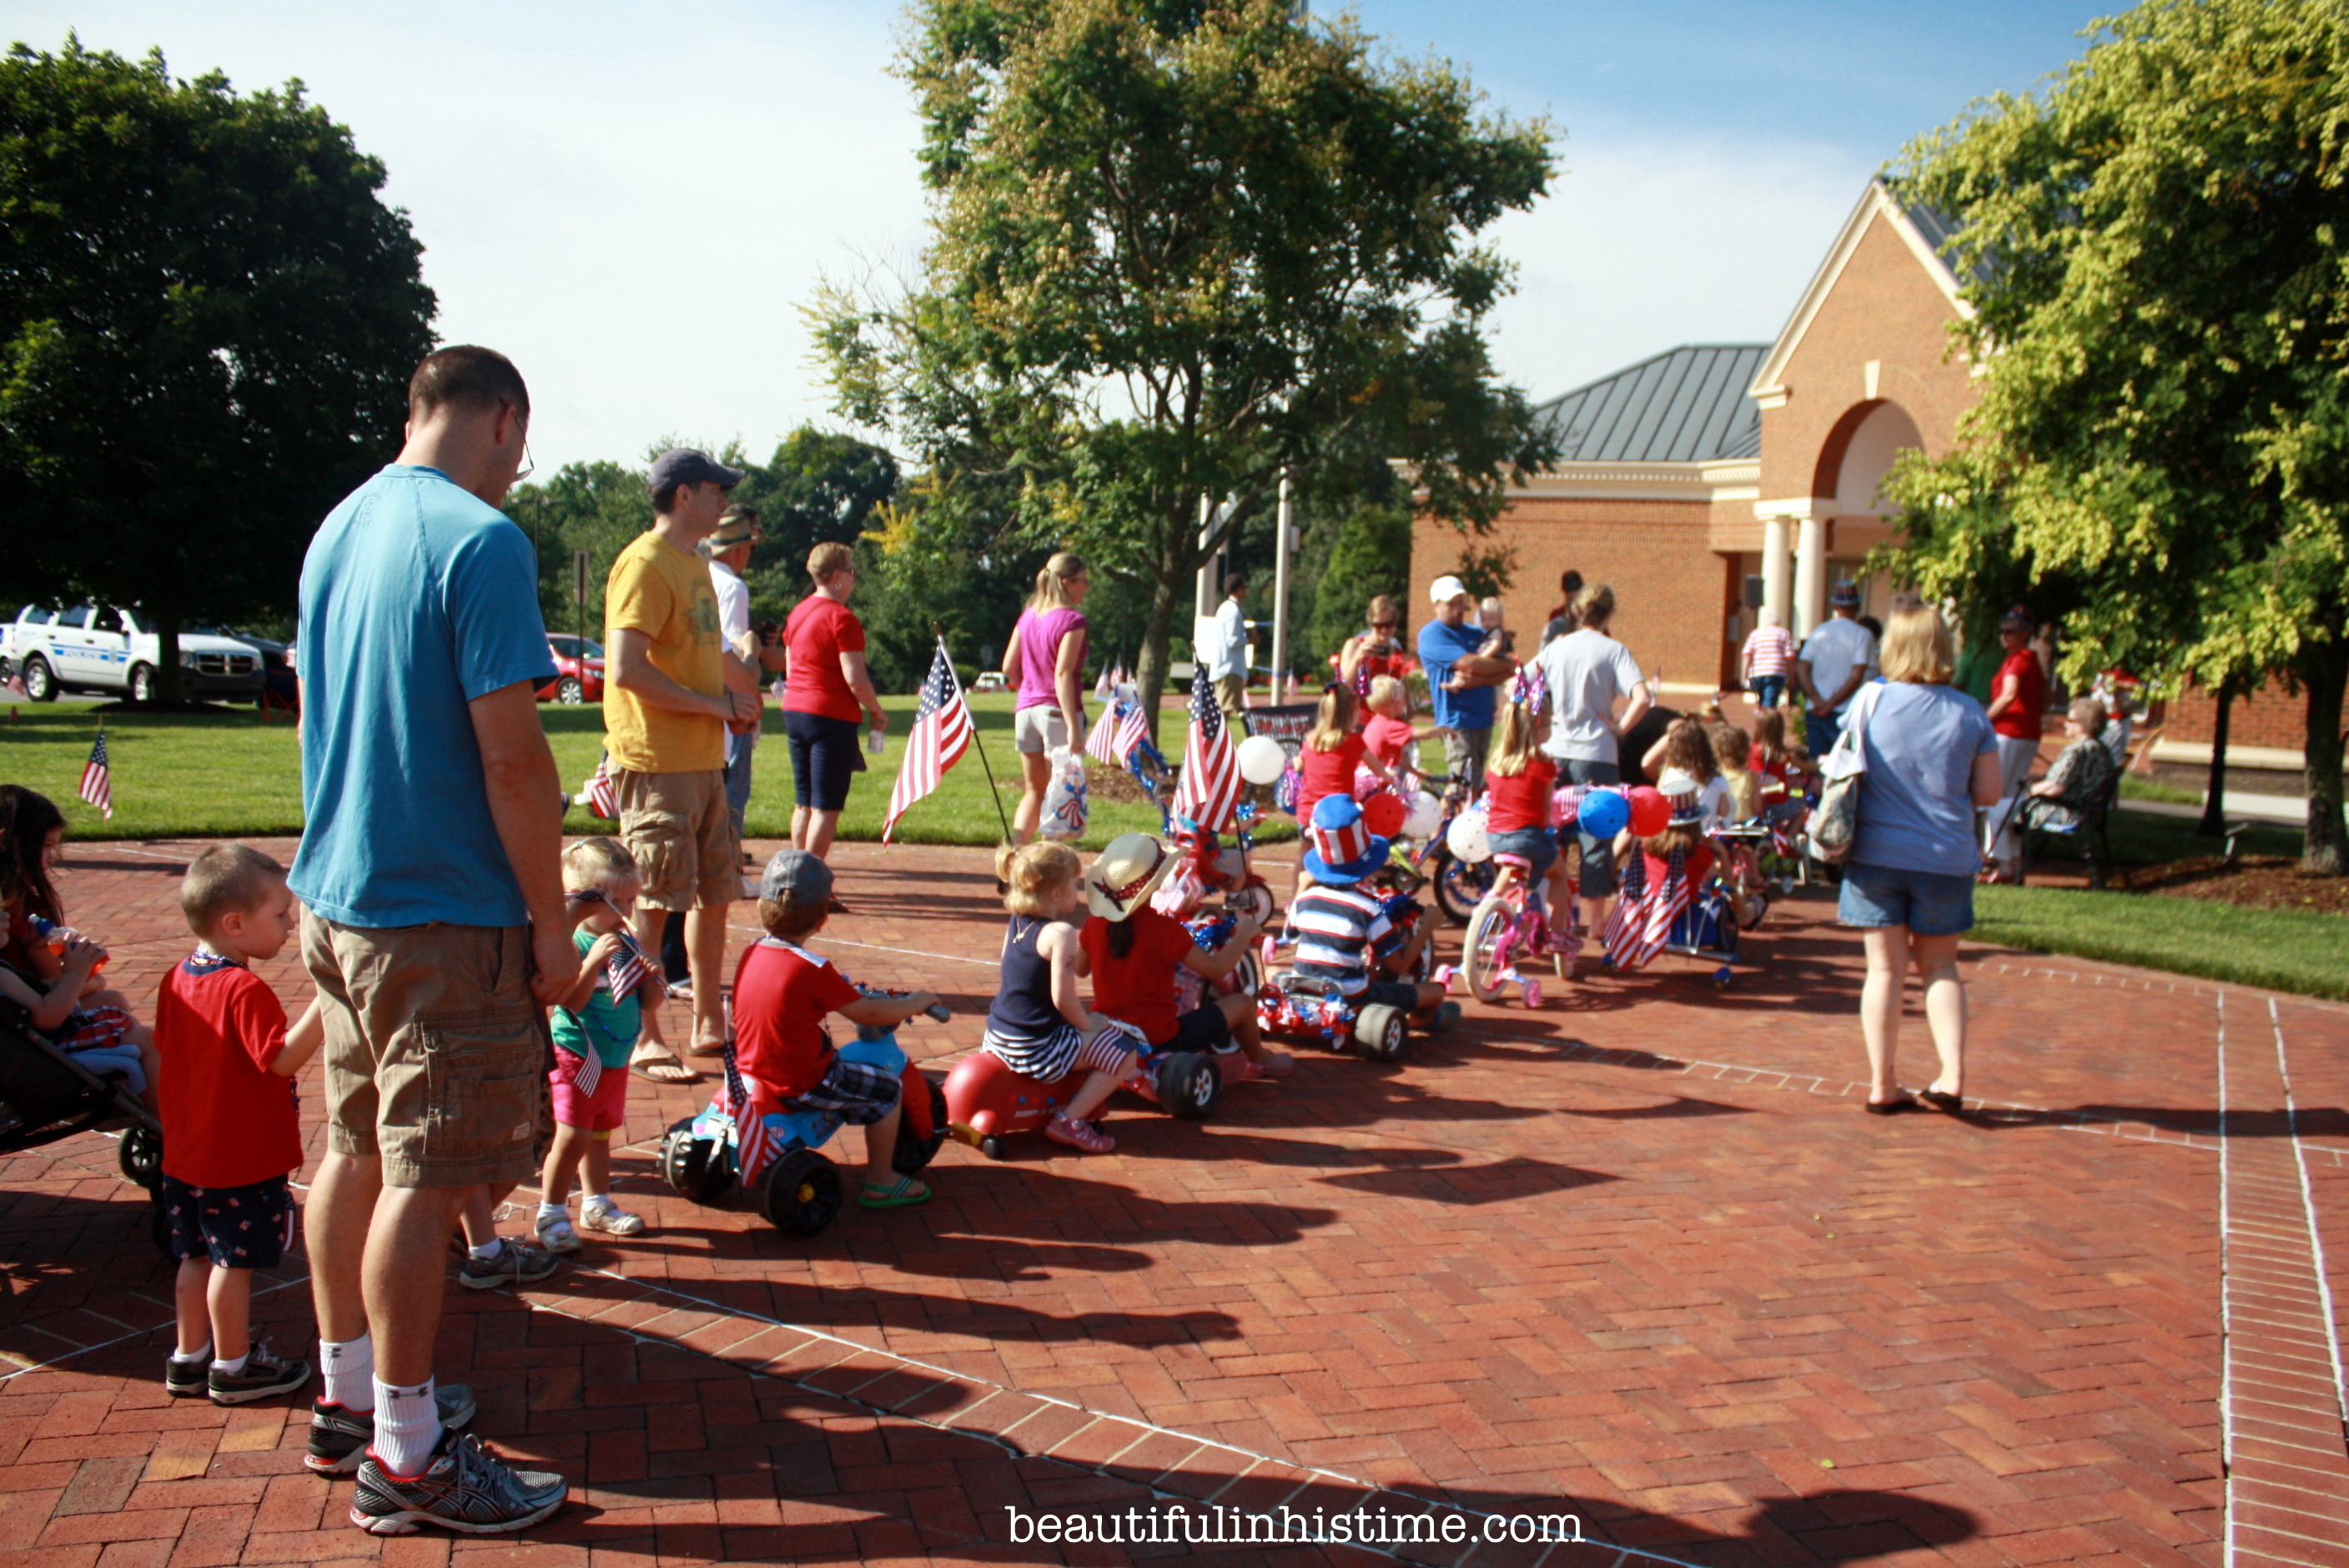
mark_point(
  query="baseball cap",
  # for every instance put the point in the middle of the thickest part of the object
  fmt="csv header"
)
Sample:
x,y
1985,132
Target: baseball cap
x,y
1445,589
797,874
684,466
1845,594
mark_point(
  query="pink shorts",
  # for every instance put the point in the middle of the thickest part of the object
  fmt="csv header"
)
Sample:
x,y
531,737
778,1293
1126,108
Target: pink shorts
x,y
599,1112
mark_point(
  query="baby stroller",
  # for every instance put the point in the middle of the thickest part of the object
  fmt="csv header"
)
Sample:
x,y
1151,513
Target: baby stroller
x,y
796,1188
45,1096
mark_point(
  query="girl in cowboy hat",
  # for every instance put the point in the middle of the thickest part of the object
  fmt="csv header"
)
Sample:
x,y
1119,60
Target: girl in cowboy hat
x,y
1135,952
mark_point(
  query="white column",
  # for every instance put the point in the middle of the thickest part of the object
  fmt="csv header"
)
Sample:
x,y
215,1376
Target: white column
x,y
1811,576
1777,569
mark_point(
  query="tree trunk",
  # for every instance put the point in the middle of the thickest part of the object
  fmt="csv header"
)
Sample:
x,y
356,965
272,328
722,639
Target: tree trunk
x,y
167,660
1150,672
2214,798
2324,670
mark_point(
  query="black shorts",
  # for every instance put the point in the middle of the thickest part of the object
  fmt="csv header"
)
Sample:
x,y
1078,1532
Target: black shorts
x,y
247,1227
1200,1029
824,758
1387,993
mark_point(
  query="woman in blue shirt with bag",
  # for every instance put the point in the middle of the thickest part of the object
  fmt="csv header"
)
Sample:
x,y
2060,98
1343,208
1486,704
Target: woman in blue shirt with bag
x,y
1931,758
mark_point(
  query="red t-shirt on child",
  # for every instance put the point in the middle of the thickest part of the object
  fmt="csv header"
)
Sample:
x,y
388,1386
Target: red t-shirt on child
x,y
1326,773
228,1120
781,996
1388,739
1521,800
1699,865
1139,989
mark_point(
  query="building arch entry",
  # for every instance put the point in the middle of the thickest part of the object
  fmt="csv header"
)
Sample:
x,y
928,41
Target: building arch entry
x,y
1859,451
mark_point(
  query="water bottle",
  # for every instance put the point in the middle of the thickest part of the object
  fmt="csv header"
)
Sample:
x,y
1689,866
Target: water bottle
x,y
872,741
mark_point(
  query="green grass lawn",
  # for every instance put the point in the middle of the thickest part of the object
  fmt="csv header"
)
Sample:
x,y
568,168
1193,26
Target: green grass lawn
x,y
230,773
2287,950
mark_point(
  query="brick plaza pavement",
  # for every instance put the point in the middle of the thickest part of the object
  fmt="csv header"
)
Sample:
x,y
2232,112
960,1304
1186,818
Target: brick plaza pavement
x,y
1637,1257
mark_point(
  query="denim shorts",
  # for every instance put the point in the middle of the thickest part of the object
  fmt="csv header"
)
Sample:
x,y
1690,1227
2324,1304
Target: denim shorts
x,y
1930,904
1536,845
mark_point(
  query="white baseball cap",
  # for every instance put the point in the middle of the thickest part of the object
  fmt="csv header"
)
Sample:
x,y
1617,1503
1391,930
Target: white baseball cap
x,y
1445,589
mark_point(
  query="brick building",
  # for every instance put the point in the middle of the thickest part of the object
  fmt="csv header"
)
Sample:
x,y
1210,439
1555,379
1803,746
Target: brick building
x,y
1715,478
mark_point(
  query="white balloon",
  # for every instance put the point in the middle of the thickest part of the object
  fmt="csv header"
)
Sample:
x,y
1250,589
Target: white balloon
x,y
1424,816
1468,841
1262,759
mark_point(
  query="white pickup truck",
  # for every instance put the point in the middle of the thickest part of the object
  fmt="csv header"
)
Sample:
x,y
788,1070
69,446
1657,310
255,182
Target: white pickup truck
x,y
100,648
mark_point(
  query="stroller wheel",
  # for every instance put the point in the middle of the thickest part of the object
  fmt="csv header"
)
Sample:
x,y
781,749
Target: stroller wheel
x,y
140,1155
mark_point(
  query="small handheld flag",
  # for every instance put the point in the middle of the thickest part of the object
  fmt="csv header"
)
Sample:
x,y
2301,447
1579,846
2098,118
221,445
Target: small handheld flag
x,y
97,782
603,795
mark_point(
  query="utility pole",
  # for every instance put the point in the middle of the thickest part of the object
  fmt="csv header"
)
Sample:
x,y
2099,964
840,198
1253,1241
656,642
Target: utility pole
x,y
1281,546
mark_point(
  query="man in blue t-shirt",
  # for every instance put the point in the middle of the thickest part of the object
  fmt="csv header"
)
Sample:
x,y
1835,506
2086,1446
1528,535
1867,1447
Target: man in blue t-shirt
x,y
1460,681
436,929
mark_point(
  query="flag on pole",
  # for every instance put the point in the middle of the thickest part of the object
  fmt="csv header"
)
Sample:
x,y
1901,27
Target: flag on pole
x,y
603,798
1118,732
97,783
625,970
1666,905
941,734
1210,786
1103,686
1621,938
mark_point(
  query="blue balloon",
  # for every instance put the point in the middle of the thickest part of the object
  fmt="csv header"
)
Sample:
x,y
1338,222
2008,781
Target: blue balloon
x,y
1604,813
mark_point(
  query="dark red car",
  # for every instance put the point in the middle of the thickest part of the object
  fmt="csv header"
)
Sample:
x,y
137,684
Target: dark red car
x,y
578,669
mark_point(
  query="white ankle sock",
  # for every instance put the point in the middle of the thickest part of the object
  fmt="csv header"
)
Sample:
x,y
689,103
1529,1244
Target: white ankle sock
x,y
549,1212
231,1368
406,1427
487,1250
588,1198
201,1353
349,1371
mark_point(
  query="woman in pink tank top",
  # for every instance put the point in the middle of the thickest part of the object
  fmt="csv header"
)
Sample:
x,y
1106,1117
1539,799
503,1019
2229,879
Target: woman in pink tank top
x,y
1044,665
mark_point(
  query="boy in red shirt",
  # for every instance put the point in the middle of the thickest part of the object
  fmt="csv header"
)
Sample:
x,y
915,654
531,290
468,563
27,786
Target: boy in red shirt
x,y
784,993
231,1138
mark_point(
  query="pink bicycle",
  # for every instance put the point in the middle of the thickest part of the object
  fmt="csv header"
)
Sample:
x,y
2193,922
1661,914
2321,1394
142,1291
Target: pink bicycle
x,y
1511,928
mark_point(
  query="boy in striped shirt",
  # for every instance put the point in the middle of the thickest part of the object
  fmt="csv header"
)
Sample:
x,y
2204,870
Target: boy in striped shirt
x,y
1344,935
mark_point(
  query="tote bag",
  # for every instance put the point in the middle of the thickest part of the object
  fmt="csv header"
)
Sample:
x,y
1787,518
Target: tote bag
x,y
1836,824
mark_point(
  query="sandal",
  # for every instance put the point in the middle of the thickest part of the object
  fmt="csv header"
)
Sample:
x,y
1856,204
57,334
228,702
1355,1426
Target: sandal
x,y
1942,1100
665,1068
1889,1107
902,1193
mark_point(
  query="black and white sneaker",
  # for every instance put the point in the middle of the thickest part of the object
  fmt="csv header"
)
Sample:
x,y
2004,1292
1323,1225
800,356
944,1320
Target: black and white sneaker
x,y
339,1437
466,1489
515,1262
188,1379
263,1375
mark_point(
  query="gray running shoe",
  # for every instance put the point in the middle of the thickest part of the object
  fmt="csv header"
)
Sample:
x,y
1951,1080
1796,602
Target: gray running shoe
x,y
515,1262
339,1437
188,1379
466,1489
263,1375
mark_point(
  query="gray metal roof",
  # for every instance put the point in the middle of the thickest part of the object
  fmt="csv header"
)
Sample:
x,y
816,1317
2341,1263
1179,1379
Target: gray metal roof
x,y
1687,404
1938,231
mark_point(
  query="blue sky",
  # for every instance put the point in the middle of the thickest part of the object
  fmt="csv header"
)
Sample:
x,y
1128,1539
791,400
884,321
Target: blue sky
x,y
636,201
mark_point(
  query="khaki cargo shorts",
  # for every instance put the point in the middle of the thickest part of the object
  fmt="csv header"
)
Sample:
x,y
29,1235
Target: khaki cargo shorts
x,y
437,1053
678,827
1039,729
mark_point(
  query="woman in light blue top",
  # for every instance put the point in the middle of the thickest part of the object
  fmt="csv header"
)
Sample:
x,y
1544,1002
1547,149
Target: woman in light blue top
x,y
1931,759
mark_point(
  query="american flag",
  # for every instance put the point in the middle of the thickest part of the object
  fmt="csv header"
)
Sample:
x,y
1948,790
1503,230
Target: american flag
x,y
1666,904
602,798
1103,686
754,1147
941,734
97,784
1210,786
626,969
1625,920
1118,732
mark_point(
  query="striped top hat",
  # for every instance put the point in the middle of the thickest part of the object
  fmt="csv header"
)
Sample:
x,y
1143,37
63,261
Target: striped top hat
x,y
1679,786
1340,846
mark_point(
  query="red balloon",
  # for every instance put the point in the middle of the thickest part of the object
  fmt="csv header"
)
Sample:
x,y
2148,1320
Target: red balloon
x,y
1650,812
1383,815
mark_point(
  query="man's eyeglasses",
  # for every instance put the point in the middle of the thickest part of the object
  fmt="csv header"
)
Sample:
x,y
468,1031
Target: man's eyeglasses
x,y
522,420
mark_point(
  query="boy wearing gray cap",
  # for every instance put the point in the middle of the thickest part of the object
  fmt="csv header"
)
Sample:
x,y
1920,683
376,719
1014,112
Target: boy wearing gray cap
x,y
783,1049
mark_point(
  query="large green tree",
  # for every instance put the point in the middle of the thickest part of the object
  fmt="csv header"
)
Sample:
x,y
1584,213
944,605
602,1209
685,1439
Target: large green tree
x,y
1176,246
207,322
2157,247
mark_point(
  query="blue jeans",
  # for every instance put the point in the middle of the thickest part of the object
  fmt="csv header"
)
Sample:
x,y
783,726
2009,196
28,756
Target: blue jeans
x,y
1768,689
740,749
1820,731
1596,875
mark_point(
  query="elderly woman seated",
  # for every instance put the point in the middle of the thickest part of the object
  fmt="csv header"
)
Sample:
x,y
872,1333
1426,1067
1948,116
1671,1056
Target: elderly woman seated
x,y
2081,776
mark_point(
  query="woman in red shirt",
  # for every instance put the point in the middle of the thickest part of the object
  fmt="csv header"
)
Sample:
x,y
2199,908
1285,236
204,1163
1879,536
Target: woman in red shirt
x,y
2018,694
825,691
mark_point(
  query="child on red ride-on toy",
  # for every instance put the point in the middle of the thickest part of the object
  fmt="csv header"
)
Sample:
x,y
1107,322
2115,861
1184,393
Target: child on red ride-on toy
x,y
1350,952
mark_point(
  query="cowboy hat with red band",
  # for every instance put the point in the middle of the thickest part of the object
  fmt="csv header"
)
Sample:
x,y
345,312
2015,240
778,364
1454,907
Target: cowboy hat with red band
x,y
1127,872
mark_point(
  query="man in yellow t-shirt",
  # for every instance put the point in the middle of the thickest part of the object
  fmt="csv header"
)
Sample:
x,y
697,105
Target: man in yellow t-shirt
x,y
666,709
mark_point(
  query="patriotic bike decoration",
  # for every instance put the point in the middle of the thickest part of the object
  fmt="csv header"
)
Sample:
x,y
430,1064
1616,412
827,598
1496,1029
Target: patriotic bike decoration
x,y
1209,787
942,732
